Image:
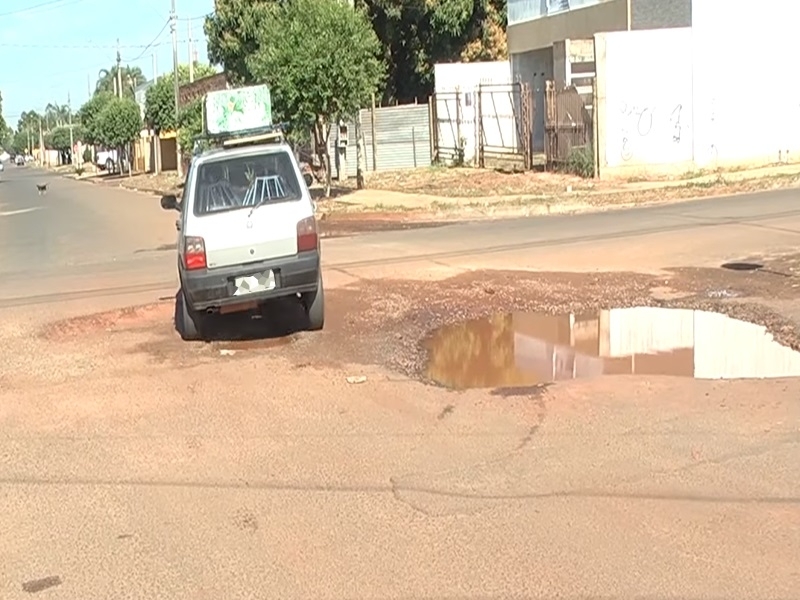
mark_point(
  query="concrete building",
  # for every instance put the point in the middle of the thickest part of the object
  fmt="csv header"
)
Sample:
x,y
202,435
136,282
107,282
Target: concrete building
x,y
546,38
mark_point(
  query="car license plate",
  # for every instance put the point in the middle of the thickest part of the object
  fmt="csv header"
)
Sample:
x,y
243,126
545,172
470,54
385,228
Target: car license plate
x,y
253,284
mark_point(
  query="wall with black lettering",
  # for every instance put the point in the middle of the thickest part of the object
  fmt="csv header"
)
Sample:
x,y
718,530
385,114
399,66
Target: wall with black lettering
x,y
660,14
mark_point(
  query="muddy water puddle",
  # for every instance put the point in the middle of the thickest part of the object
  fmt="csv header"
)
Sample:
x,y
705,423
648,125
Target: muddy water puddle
x,y
520,349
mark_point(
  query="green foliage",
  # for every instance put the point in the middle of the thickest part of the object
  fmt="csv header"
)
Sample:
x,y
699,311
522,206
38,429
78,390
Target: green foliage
x,y
29,121
6,137
89,114
118,123
20,142
159,106
580,161
190,124
59,138
131,77
160,98
87,155
233,35
416,34
320,58
3,126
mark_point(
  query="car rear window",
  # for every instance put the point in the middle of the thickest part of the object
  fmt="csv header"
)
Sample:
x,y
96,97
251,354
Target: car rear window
x,y
245,181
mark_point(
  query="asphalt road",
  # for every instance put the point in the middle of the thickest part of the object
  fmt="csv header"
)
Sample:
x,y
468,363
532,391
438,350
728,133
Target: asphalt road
x,y
82,240
133,465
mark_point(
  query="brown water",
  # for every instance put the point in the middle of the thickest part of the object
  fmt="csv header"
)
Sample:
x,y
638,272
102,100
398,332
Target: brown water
x,y
511,350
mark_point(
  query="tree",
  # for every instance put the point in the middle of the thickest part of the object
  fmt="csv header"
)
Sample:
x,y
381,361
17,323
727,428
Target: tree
x,y
414,35
159,112
55,115
232,33
132,77
119,123
89,114
3,125
59,138
20,142
190,124
312,81
29,121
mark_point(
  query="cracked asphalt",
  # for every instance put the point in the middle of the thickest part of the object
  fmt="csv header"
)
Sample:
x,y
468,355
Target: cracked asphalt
x,y
135,465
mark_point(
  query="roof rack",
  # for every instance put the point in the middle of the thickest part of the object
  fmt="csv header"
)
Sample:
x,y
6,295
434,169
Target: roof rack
x,y
272,134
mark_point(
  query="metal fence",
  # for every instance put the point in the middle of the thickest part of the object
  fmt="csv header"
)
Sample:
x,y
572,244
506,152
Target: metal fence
x,y
505,122
393,137
446,124
568,125
489,125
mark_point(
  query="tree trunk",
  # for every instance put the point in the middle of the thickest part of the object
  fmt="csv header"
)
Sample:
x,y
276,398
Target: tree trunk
x,y
321,132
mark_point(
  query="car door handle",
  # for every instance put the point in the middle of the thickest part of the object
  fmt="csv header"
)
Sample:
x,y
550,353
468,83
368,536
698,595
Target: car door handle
x,y
178,225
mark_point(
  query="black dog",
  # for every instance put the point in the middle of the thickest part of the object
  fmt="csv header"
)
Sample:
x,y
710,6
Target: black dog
x,y
42,187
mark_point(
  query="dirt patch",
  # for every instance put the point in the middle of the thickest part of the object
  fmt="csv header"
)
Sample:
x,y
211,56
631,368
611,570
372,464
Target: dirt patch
x,y
134,317
385,322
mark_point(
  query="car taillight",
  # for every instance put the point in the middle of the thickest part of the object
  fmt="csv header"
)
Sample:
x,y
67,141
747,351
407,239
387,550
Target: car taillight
x,y
194,253
307,235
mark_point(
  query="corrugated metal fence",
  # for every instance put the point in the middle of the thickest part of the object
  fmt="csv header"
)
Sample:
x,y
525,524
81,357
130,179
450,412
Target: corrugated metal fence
x,y
399,139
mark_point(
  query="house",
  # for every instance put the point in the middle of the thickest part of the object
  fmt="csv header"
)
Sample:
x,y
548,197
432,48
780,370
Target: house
x,y
153,153
546,38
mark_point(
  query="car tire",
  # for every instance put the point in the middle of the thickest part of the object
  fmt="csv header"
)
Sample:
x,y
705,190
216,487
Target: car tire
x,y
314,303
110,165
188,322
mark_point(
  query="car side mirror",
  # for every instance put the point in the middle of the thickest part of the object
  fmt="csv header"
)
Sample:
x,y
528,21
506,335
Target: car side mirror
x,y
169,202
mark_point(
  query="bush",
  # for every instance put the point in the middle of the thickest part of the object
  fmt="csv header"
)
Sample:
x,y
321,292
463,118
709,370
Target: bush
x,y
87,155
79,171
580,161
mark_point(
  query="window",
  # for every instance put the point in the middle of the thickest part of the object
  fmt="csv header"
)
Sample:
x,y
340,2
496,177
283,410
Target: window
x,y
230,183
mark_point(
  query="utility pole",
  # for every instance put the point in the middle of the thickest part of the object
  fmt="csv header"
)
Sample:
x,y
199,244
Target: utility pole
x,y
119,71
89,85
41,144
173,25
155,67
191,54
71,137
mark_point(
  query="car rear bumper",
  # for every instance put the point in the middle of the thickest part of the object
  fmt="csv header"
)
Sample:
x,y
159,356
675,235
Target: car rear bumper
x,y
214,288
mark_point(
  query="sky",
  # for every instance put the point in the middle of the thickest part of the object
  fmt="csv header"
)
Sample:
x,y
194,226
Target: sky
x,y
52,50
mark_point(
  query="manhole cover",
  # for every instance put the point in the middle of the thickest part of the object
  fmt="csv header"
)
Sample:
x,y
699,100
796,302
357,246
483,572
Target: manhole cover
x,y
742,266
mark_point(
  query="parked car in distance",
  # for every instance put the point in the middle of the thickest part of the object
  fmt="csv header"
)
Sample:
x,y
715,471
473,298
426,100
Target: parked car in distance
x,y
106,160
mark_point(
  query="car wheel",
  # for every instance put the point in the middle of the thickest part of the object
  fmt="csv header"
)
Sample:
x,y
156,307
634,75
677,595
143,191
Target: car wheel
x,y
188,322
314,303
110,165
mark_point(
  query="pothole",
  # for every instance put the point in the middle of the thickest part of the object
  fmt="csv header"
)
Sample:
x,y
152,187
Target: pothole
x,y
522,349
742,266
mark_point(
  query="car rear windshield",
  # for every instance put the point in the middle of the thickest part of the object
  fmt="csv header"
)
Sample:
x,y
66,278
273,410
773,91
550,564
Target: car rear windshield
x,y
245,181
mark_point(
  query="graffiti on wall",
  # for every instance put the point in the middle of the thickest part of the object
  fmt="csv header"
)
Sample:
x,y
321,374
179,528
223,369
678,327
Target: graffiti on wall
x,y
648,131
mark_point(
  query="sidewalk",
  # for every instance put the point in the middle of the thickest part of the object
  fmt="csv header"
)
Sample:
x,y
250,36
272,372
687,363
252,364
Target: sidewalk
x,y
472,193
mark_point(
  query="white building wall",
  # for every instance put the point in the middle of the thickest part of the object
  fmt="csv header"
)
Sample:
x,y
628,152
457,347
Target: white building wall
x,y
647,104
718,94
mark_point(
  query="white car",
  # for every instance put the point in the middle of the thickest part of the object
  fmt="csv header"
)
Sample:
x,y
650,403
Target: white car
x,y
246,234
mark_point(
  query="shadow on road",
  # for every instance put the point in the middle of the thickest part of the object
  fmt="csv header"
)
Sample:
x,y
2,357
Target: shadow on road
x,y
277,320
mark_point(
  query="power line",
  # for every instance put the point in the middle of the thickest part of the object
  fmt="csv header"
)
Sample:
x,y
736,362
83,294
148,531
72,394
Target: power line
x,y
151,44
87,46
45,6
80,46
208,14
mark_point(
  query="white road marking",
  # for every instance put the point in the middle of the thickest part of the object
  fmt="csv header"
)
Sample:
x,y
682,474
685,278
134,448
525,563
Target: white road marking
x,y
21,211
